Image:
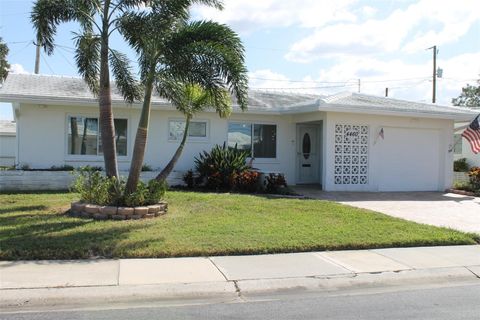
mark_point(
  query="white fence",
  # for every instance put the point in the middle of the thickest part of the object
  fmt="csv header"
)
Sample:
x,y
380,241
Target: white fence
x,y
19,180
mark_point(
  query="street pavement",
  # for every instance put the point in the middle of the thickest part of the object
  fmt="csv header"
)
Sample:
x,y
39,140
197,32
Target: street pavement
x,y
30,284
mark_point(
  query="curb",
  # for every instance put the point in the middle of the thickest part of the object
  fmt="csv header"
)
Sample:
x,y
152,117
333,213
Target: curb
x,y
361,280
23,299
15,299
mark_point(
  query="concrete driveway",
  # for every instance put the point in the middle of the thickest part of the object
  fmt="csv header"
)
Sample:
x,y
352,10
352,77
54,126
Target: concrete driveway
x,y
434,208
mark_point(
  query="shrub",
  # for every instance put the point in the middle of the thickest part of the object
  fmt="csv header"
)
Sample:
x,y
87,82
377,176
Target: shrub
x,y
463,186
146,194
460,165
139,197
189,179
95,188
247,181
275,183
64,167
220,165
146,167
156,191
474,175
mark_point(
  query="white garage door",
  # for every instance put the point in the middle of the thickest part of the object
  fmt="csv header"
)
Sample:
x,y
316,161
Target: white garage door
x,y
409,160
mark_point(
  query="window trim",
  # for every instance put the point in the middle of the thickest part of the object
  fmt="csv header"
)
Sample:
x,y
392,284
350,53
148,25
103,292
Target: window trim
x,y
98,157
189,138
253,123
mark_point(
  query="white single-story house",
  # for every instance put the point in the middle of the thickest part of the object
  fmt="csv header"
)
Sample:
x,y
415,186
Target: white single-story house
x,y
343,142
7,143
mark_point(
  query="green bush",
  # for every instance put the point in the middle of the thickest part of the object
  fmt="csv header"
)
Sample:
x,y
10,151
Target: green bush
x,y
219,166
189,179
95,188
146,167
156,191
460,165
275,183
64,167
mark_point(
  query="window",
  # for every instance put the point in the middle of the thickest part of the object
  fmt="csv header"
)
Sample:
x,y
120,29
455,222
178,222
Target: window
x,y
457,147
84,136
196,130
260,140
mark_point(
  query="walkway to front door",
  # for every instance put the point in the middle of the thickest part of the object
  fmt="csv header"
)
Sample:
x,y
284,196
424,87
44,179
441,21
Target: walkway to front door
x,y
434,208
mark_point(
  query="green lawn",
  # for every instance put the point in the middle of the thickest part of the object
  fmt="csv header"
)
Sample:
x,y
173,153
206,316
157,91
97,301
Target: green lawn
x,y
35,226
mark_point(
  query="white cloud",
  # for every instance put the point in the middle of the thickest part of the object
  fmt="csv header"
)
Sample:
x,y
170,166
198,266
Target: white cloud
x,y
252,15
391,33
18,68
404,80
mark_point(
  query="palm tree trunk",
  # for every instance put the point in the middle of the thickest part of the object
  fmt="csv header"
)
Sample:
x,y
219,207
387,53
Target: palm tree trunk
x,y
141,137
171,164
107,127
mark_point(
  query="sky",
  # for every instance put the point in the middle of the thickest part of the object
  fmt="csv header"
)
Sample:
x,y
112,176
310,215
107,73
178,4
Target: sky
x,y
314,46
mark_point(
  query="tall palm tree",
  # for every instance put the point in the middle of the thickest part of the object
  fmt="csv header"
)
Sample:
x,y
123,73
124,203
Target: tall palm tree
x,y
98,20
205,53
93,55
191,99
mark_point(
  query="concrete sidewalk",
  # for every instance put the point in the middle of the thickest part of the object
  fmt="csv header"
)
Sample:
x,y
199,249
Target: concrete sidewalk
x,y
113,280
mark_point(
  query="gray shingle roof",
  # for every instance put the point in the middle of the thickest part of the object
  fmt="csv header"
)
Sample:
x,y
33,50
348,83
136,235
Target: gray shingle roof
x,y
49,89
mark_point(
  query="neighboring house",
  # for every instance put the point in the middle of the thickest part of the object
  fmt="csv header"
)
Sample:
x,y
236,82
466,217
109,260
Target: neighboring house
x,y
343,142
7,143
462,147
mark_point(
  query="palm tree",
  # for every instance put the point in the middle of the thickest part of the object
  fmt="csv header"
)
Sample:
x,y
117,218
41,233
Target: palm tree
x,y
171,50
190,100
93,55
98,19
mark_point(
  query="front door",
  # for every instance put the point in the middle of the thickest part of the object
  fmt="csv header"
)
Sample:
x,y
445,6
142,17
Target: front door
x,y
307,154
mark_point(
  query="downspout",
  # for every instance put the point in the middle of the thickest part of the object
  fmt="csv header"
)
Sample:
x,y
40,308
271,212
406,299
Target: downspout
x,y
16,116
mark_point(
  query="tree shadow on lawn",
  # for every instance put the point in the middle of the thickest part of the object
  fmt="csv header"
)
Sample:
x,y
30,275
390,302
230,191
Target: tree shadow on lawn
x,y
64,239
23,208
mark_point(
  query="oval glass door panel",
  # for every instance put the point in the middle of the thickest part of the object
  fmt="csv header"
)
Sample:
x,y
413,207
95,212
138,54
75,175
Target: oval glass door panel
x,y
306,145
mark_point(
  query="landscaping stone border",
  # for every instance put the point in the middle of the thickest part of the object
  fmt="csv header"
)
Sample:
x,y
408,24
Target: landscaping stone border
x,y
86,210
461,192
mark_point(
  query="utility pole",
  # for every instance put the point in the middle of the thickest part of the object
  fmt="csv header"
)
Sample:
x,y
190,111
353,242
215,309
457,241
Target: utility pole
x,y
434,89
37,57
386,92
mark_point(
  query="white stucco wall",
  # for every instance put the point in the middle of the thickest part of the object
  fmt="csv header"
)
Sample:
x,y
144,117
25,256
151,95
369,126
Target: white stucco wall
x,y
7,150
43,141
472,158
442,129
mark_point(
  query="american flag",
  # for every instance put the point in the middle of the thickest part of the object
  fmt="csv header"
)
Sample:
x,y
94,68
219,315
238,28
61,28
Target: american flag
x,y
472,134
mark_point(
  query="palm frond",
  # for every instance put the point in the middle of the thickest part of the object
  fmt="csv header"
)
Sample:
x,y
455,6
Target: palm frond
x,y
87,57
124,77
46,15
211,55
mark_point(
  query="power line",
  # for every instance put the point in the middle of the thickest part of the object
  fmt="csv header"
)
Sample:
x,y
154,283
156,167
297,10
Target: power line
x,y
10,56
45,60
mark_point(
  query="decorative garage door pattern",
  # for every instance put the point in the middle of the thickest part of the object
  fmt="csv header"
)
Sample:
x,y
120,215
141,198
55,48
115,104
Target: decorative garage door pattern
x,y
351,154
